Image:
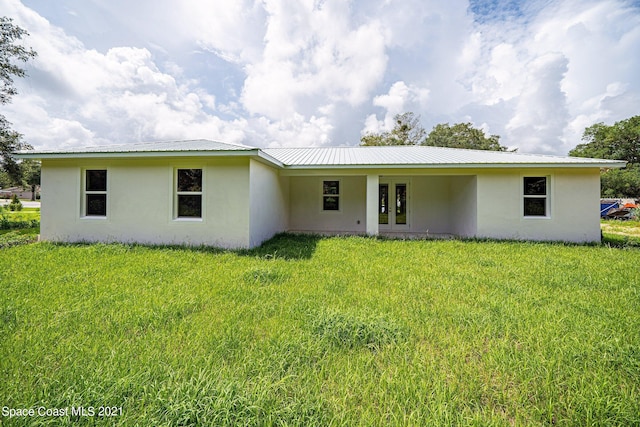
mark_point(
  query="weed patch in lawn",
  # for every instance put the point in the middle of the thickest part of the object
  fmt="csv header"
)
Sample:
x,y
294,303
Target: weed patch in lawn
x,y
18,237
264,276
352,331
8,319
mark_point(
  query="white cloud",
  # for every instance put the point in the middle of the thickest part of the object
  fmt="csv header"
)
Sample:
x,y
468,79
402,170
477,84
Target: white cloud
x,y
233,30
293,132
312,56
541,114
400,98
320,72
38,125
83,97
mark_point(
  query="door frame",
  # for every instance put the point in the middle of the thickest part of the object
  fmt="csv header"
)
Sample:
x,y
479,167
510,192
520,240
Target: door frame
x,y
392,182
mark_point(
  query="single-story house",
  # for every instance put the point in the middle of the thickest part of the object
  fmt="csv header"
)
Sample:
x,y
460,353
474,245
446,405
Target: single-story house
x,y
7,193
203,192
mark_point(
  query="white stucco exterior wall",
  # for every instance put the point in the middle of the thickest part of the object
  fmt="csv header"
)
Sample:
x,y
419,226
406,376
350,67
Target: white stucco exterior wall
x,y
246,202
464,194
306,214
443,205
573,206
373,192
269,203
140,202
430,202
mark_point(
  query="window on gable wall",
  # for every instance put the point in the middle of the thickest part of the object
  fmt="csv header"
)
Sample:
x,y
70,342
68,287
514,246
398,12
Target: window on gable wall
x,y
188,193
95,192
536,196
330,195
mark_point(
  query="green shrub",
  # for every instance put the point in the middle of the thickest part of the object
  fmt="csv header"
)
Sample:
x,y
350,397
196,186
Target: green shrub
x,y
15,204
11,224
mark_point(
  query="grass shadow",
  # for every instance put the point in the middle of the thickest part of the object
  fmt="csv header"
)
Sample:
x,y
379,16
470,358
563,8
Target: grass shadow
x,y
622,242
127,246
287,246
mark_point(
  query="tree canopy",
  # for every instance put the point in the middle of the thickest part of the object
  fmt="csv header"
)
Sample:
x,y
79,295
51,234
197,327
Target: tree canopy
x,y
622,183
10,52
462,135
620,141
407,130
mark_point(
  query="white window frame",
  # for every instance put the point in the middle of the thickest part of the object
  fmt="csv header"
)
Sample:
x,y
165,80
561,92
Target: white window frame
x,y
85,193
177,193
338,196
546,197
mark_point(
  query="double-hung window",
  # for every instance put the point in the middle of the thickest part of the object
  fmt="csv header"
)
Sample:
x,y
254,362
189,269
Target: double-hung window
x,y
95,193
188,196
331,195
536,196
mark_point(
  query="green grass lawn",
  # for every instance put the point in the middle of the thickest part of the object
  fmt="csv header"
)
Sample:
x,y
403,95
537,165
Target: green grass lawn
x,y
621,233
25,215
323,331
19,227
612,226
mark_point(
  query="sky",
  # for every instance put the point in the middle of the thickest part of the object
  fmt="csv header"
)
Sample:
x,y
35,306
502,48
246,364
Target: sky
x,y
297,73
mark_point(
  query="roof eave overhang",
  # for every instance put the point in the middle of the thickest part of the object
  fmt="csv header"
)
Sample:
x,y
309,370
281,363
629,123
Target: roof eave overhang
x,y
613,165
266,158
258,154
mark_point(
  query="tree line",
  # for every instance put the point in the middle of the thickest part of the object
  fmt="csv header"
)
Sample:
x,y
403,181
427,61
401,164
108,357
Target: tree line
x,y
12,172
620,141
407,130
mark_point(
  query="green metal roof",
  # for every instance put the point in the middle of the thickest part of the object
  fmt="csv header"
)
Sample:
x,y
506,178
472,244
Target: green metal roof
x,y
171,147
422,156
330,157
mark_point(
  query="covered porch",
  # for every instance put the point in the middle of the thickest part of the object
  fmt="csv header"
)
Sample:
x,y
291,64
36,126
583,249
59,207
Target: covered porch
x,y
395,205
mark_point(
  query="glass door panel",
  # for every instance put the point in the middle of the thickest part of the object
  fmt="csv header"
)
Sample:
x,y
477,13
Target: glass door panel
x,y
401,204
393,204
383,204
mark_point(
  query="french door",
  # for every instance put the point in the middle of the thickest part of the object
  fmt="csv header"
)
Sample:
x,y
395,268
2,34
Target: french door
x,y
393,205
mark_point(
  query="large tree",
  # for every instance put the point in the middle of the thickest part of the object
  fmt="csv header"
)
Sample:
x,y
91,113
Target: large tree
x,y
11,51
31,176
621,183
620,141
10,141
407,130
462,135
